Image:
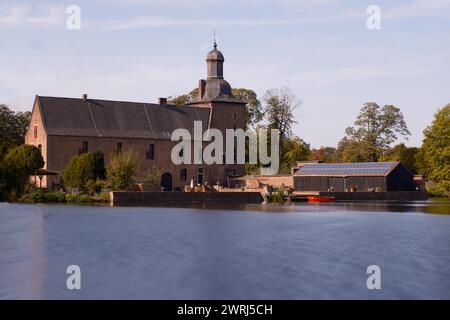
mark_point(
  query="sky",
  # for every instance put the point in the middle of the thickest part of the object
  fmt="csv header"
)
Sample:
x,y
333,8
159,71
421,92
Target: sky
x,y
139,50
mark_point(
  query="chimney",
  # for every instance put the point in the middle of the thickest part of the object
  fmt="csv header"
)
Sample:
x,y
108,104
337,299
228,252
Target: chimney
x,y
201,88
162,102
84,97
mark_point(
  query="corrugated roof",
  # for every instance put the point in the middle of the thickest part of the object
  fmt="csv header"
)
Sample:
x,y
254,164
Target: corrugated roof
x,y
347,169
104,118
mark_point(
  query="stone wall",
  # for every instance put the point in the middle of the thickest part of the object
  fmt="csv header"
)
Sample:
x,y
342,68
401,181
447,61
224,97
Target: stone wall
x,y
147,198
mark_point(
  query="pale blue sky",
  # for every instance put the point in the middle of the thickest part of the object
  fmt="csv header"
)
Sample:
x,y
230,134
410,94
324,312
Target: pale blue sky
x,y
140,50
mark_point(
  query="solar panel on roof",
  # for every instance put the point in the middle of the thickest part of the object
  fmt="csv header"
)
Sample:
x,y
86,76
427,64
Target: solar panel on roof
x,y
347,169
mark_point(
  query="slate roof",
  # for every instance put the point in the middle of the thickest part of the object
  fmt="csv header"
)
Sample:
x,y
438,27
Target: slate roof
x,y
104,118
347,169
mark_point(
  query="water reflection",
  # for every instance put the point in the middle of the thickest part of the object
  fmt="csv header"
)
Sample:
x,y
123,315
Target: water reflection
x,y
432,206
233,251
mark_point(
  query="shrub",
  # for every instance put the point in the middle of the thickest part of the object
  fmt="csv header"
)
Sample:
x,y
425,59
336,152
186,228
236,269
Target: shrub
x,y
82,171
39,195
276,197
79,198
439,189
153,180
122,170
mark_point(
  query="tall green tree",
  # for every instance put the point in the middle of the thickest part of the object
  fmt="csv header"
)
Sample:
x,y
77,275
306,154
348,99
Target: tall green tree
x,y
17,166
375,129
436,149
13,126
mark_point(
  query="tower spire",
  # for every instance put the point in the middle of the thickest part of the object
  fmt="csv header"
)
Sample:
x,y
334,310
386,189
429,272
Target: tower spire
x,y
215,43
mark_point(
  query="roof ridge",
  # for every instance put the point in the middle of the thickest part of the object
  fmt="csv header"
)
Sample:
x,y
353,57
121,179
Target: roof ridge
x,y
120,101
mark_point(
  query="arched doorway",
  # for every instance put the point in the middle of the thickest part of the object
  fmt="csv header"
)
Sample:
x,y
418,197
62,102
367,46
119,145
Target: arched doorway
x,y
166,181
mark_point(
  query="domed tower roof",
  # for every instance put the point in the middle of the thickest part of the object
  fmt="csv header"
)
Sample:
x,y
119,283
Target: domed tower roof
x,y
215,88
215,55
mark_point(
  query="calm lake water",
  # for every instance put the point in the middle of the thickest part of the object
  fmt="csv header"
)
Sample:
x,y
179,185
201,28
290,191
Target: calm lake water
x,y
297,251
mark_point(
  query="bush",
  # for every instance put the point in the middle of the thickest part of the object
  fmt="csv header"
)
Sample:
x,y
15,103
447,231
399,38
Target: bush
x,y
103,197
82,172
79,198
122,171
153,180
276,197
440,189
39,195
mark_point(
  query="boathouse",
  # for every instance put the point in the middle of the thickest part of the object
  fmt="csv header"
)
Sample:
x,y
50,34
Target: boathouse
x,y
353,177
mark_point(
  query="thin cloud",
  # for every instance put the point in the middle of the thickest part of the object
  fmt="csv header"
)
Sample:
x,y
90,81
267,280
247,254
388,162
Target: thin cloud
x,y
24,16
157,21
417,9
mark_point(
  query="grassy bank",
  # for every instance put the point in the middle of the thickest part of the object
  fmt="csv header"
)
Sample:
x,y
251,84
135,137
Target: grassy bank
x,y
41,196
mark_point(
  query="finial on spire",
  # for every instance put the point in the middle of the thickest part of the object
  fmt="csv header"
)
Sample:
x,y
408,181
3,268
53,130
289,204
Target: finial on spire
x,y
215,44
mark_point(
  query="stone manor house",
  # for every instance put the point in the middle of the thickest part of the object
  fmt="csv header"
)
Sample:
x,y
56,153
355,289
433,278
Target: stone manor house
x,y
66,127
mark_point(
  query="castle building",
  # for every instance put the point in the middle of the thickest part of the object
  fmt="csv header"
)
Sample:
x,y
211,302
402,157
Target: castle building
x,y
66,127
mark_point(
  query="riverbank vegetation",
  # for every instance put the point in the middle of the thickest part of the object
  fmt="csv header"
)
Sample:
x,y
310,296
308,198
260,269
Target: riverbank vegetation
x,y
86,179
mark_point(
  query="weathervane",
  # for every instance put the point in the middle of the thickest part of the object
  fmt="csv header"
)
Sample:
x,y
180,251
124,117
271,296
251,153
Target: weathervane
x,y
214,32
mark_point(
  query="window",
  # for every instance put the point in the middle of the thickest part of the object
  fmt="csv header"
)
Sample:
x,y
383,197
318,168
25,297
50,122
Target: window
x,y
85,147
200,175
35,132
40,148
183,174
119,147
151,151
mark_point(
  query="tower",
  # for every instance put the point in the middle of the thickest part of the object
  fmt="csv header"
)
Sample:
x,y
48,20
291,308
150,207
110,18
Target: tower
x,y
227,111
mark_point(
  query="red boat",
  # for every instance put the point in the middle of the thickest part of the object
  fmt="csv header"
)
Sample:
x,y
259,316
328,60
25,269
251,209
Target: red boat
x,y
320,199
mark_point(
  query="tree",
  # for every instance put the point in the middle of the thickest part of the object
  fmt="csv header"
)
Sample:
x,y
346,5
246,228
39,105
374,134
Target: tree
x,y
323,154
254,113
17,166
351,150
13,126
436,149
279,111
295,150
376,128
184,98
403,154
122,170
84,170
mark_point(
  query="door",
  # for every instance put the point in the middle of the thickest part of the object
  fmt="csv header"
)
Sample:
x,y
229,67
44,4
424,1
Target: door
x,y
166,181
